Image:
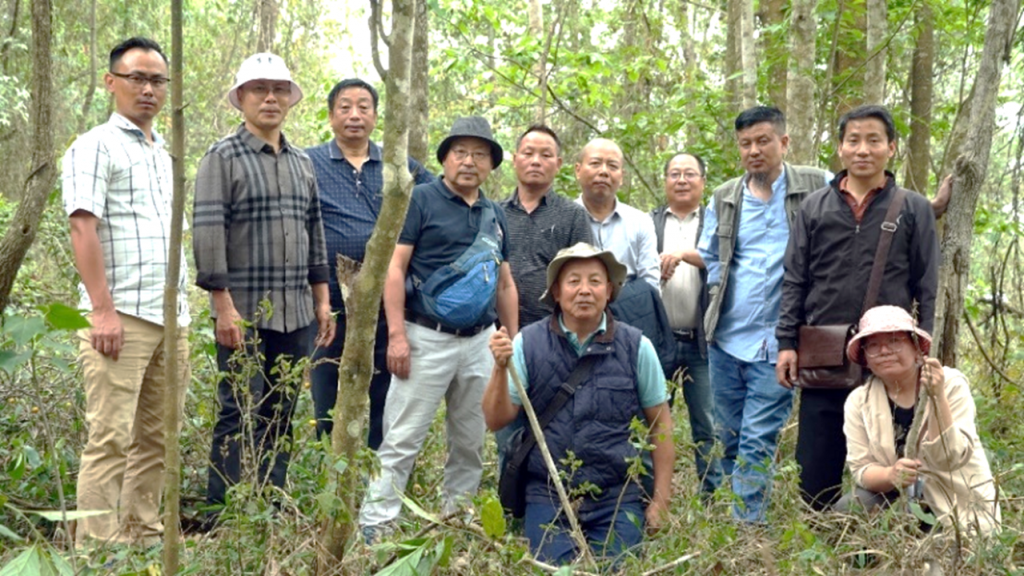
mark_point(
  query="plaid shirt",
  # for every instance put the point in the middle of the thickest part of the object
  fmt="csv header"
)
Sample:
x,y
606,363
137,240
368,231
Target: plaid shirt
x,y
258,230
113,173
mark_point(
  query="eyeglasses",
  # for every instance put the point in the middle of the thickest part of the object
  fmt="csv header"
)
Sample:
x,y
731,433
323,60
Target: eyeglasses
x,y
873,349
691,176
262,90
460,154
139,81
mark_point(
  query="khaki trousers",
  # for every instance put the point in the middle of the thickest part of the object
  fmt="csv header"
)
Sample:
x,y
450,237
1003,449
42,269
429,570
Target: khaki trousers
x,y
122,467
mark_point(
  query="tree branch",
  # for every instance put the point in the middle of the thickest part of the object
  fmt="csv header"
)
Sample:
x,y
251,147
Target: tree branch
x,y
977,340
375,25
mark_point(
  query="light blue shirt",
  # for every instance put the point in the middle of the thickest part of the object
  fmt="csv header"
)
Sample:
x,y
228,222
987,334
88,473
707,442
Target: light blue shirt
x,y
650,385
629,234
750,309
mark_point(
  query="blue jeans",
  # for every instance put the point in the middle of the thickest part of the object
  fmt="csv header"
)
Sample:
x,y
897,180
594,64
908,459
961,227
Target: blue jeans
x,y
551,542
751,408
700,405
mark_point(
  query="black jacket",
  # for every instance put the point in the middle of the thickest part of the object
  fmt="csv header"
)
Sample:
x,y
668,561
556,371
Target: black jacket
x,y
639,305
658,215
829,258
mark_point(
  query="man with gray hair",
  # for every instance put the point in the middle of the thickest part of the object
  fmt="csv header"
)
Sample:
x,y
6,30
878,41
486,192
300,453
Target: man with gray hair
x,y
453,250
259,237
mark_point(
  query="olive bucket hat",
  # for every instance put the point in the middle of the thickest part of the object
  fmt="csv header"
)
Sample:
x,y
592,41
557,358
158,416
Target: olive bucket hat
x,y
582,251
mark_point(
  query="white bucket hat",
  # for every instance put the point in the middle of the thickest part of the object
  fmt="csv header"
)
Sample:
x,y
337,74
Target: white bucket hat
x,y
263,66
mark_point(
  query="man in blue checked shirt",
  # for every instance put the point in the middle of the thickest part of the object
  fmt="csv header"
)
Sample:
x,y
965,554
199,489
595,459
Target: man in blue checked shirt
x,y
350,175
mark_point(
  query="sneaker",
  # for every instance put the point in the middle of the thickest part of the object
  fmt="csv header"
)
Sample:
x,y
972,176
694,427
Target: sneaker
x,y
373,535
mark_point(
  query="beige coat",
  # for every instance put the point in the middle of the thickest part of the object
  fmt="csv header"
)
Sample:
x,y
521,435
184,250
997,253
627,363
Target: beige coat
x,y
958,480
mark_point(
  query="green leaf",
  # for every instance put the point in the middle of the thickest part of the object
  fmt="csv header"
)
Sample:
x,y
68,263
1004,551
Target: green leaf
x,y
341,465
443,551
24,330
8,533
493,518
27,563
919,513
415,508
11,360
564,571
61,317
58,516
408,565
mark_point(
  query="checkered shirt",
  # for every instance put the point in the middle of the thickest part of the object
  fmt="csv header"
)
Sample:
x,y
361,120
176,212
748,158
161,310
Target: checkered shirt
x,y
258,231
113,173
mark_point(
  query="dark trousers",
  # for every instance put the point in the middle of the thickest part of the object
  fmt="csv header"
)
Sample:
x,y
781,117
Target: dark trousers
x,y
621,526
324,382
821,446
251,384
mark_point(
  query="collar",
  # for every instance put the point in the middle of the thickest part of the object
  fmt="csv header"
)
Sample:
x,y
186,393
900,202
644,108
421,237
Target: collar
x,y
890,181
127,125
602,326
334,151
254,141
777,185
612,214
689,217
439,184
514,201
605,330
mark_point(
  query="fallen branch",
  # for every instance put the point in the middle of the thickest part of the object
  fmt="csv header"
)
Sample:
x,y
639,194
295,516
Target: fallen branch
x,y
673,564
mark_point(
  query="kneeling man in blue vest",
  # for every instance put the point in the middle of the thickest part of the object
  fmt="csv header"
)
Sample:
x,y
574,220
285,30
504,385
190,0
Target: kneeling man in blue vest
x,y
619,378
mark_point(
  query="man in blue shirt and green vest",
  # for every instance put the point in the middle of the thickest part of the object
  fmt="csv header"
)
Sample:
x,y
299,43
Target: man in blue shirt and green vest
x,y
623,380
743,243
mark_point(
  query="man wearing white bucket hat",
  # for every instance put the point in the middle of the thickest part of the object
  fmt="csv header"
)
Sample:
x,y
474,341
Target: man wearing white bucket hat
x,y
259,237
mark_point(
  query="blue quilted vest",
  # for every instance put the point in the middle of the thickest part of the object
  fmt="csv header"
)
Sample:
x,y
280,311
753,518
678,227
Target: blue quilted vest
x,y
594,423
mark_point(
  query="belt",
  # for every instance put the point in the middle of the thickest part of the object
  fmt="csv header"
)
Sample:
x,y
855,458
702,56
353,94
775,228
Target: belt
x,y
685,334
421,320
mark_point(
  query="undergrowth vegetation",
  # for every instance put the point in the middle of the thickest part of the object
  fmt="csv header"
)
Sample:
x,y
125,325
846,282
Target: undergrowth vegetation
x,y
268,532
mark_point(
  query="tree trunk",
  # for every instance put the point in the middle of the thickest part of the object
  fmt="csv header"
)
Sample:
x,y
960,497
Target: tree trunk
x,y
773,17
969,176
172,372
268,22
356,365
800,83
921,84
747,54
40,182
846,89
535,13
5,49
419,125
874,68
83,119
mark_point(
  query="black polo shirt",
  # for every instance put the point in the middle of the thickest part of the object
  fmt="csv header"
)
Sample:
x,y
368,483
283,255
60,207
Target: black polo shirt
x,y
440,226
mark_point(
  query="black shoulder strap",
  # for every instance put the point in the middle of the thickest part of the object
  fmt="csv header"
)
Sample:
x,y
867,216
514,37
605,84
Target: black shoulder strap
x,y
884,242
565,392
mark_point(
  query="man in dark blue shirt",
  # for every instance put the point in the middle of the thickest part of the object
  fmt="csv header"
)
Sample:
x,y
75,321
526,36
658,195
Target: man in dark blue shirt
x,y
349,172
438,331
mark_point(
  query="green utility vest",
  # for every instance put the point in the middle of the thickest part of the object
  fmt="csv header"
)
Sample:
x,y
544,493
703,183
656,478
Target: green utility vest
x,y
800,181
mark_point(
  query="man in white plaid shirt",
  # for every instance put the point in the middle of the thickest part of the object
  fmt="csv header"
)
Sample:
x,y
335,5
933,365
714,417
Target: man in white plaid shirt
x,y
116,186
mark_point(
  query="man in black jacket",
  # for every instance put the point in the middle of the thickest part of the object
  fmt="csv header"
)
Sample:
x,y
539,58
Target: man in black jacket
x,y
677,226
828,262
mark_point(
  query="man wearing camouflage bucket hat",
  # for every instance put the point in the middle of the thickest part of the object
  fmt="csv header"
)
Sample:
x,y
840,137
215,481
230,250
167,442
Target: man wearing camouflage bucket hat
x,y
453,250
614,375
